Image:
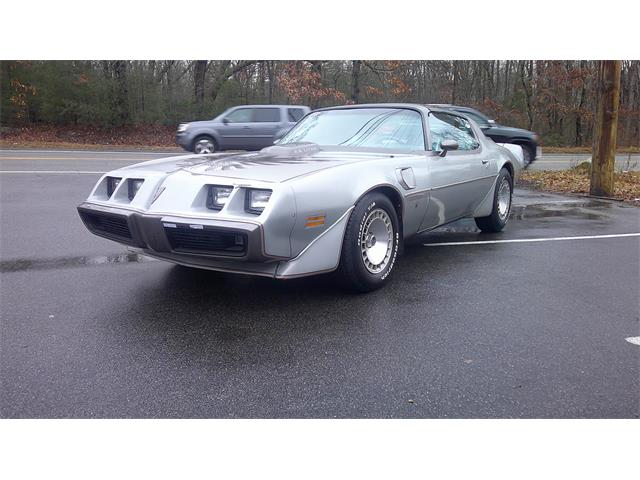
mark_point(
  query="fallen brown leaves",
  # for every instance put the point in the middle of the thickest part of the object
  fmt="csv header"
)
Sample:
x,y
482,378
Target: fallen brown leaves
x,y
133,135
626,186
628,149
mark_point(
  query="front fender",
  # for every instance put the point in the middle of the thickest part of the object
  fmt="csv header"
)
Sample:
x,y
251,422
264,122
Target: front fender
x,y
329,194
321,255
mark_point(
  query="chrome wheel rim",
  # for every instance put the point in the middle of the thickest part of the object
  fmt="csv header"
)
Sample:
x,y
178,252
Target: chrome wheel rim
x,y
504,199
376,241
204,146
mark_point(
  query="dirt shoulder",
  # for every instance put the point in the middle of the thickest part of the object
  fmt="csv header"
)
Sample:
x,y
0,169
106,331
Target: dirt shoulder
x,y
585,150
142,137
576,180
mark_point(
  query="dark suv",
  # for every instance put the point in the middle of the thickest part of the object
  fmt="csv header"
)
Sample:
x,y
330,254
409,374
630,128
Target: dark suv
x,y
501,134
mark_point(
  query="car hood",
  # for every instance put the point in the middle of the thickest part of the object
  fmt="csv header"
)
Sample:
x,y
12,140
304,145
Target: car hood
x,y
272,164
200,123
510,130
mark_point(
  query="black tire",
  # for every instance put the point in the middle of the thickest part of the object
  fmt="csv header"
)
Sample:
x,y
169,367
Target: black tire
x,y
356,270
213,145
528,153
498,219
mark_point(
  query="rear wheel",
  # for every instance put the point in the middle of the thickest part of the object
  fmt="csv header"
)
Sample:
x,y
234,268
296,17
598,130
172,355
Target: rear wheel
x,y
370,245
501,205
204,144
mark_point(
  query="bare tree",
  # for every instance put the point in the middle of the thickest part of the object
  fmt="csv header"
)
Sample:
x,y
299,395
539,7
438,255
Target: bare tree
x,y
355,80
199,73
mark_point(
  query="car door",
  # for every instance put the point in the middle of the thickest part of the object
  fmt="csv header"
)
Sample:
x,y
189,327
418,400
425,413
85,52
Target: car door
x,y
238,129
460,179
266,123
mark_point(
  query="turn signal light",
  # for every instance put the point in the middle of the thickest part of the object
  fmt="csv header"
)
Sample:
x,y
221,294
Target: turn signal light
x,y
314,221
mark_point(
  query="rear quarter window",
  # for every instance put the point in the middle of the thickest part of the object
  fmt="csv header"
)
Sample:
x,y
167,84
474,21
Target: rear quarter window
x,y
266,115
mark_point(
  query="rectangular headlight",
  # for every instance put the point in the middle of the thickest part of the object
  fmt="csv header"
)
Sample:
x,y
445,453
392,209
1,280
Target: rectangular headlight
x,y
218,196
256,200
112,184
133,186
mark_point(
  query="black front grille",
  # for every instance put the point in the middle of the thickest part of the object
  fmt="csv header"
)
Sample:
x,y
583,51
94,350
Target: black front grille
x,y
108,223
206,240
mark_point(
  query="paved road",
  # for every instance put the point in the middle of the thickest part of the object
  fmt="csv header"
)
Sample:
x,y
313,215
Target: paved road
x,y
103,161
478,330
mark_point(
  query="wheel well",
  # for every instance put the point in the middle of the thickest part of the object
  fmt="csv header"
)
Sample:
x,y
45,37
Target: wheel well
x,y
396,200
509,168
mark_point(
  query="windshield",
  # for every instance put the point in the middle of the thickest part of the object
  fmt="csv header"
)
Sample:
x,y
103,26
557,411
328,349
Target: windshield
x,y
391,128
480,120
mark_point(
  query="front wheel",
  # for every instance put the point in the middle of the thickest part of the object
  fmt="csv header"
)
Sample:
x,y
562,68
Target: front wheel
x,y
370,245
501,204
203,145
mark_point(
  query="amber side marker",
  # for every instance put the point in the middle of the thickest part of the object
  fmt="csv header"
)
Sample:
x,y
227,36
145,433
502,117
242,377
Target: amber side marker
x,y
314,221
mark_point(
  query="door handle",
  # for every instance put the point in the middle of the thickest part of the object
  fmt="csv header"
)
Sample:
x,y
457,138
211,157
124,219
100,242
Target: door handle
x,y
484,162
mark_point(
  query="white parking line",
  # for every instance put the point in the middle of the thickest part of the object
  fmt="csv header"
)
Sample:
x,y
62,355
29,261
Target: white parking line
x,y
634,340
525,240
83,172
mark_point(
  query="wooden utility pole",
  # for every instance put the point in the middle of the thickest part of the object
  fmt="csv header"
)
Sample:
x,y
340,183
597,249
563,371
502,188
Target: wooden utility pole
x,y
605,128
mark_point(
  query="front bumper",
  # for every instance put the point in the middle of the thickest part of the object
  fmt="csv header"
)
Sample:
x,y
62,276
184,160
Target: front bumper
x,y
538,153
175,236
184,140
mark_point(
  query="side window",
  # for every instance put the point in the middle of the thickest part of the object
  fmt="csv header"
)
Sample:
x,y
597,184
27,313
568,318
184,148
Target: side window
x,y
266,115
241,115
295,114
444,126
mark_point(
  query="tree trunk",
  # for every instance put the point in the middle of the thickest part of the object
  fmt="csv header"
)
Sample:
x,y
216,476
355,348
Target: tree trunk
x,y
526,85
583,92
199,71
121,102
631,101
355,81
271,80
454,88
606,127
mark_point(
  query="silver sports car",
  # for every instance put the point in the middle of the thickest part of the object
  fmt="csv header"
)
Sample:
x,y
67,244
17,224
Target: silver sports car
x,y
340,191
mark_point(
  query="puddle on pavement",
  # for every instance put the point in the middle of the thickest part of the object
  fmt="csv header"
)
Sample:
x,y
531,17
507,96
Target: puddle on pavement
x,y
523,212
577,209
22,264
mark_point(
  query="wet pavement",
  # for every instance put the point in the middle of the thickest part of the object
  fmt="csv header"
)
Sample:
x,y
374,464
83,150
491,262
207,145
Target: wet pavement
x,y
476,330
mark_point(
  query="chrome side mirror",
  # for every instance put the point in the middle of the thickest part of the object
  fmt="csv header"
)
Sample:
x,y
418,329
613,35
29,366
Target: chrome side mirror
x,y
447,145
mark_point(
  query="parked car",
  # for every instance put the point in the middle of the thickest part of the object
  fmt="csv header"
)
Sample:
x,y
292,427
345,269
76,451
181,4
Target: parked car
x,y
340,191
247,127
500,133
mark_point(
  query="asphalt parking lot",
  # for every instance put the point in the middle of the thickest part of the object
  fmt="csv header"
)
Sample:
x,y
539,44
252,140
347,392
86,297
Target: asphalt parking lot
x,y
509,329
